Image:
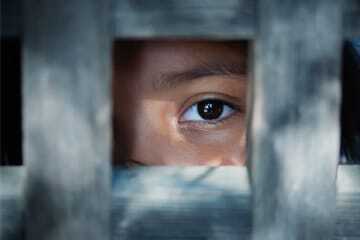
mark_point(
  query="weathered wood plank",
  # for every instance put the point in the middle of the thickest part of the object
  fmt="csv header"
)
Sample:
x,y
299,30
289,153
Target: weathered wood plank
x,y
185,203
294,128
187,18
348,203
67,119
181,203
201,19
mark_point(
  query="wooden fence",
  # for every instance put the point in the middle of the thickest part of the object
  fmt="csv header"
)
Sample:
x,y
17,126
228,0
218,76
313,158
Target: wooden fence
x,y
64,190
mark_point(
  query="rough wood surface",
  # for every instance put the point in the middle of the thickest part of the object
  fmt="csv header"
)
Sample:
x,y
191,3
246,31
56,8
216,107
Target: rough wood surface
x,y
67,119
186,18
176,203
181,203
348,203
294,121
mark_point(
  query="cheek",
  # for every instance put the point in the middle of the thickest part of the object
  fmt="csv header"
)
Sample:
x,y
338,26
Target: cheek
x,y
224,147
154,132
159,141
174,148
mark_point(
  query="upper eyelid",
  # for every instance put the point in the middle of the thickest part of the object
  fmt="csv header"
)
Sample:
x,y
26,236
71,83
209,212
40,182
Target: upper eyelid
x,y
232,105
235,108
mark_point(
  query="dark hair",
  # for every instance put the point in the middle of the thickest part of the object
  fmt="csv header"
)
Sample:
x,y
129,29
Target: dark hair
x,y
350,112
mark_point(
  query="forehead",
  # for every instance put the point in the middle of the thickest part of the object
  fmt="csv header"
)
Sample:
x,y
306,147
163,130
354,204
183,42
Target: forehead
x,y
141,63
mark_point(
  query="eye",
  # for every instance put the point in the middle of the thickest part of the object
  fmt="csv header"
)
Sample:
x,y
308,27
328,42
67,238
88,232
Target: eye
x,y
207,111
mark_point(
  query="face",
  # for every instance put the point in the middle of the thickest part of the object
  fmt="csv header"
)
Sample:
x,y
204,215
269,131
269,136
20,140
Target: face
x,y
179,103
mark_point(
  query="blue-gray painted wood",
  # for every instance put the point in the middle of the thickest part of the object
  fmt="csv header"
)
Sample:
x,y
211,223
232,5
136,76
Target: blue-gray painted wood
x,y
67,130
226,19
181,203
348,203
186,18
294,120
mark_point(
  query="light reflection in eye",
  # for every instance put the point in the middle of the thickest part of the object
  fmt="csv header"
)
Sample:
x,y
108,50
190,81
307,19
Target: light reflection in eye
x,y
208,110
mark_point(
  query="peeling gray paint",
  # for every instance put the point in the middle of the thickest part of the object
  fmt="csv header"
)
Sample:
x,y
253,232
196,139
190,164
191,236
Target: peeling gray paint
x,y
294,133
182,203
201,19
66,72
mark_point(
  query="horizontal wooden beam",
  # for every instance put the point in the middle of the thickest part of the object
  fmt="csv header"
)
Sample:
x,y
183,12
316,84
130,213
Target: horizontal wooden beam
x,y
214,19
181,203
184,19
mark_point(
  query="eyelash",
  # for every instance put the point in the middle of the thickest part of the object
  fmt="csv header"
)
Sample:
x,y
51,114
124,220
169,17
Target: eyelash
x,y
227,111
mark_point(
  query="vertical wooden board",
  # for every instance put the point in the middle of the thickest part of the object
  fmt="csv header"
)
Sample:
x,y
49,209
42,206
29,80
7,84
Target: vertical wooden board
x,y
348,203
294,129
67,119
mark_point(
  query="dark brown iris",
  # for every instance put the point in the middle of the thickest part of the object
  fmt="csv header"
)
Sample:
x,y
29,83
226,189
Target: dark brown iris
x,y
210,109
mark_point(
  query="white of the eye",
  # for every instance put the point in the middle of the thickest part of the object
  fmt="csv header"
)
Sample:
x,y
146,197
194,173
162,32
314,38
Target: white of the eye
x,y
192,114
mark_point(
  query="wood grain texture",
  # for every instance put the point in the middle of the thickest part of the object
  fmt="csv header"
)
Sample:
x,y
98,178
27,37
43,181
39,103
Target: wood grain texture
x,y
67,119
294,121
188,18
182,203
348,203
227,19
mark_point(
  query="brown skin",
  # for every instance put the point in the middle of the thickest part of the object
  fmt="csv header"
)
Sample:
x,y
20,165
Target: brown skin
x,y
155,85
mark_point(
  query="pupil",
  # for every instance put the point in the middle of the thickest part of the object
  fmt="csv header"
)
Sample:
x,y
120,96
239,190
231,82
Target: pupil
x,y
210,109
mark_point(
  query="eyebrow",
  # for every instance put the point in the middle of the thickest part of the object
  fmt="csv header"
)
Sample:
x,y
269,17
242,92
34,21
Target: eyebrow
x,y
174,79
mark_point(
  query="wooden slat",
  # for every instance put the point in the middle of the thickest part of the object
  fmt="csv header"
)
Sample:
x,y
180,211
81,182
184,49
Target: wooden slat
x,y
294,123
186,18
67,119
183,203
348,203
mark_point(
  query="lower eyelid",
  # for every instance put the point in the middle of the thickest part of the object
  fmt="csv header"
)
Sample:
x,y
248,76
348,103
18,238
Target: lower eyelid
x,y
209,124
229,108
